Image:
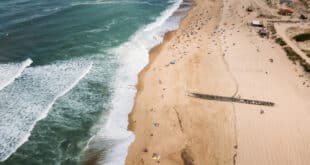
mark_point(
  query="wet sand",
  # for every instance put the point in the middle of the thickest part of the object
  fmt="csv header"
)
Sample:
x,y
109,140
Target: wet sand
x,y
171,127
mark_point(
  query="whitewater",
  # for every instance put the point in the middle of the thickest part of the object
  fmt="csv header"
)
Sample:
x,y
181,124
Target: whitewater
x,y
132,62
68,99
29,99
9,72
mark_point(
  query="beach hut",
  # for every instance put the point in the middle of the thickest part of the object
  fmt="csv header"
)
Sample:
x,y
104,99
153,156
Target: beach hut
x,y
257,23
285,12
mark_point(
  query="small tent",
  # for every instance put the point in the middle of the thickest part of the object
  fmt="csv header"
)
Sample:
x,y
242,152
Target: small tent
x,y
256,23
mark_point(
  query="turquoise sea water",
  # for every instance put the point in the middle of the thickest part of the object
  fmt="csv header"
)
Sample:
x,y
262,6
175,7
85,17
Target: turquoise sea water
x,y
67,75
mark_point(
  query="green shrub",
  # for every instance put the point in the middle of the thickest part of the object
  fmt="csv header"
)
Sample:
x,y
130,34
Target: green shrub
x,y
307,52
280,41
292,55
302,37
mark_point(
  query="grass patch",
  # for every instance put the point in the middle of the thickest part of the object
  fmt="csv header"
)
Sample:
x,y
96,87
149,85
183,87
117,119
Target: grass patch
x,y
305,65
292,55
307,52
302,37
281,42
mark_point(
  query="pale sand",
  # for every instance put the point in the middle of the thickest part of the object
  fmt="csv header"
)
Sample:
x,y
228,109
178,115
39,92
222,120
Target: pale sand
x,y
185,130
281,135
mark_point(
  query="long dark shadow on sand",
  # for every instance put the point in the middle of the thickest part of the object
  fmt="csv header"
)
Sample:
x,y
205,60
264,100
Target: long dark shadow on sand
x,y
231,99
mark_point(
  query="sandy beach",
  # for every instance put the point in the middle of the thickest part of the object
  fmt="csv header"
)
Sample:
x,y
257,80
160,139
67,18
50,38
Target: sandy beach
x,y
216,52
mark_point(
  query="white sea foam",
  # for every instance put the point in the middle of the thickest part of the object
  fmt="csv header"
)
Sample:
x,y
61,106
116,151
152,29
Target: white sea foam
x,y
9,72
28,100
133,56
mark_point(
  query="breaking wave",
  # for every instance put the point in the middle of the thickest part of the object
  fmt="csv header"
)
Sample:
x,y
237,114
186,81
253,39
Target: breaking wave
x,y
29,98
133,56
9,72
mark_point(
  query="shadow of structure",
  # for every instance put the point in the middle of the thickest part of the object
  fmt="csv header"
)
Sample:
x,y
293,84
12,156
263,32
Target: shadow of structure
x,y
231,99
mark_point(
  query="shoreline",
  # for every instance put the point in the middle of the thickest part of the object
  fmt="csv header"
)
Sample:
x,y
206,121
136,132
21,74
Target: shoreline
x,y
139,121
152,56
215,52
115,130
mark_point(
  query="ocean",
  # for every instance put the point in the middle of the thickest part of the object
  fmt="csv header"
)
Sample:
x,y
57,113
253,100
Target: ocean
x,y
68,70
